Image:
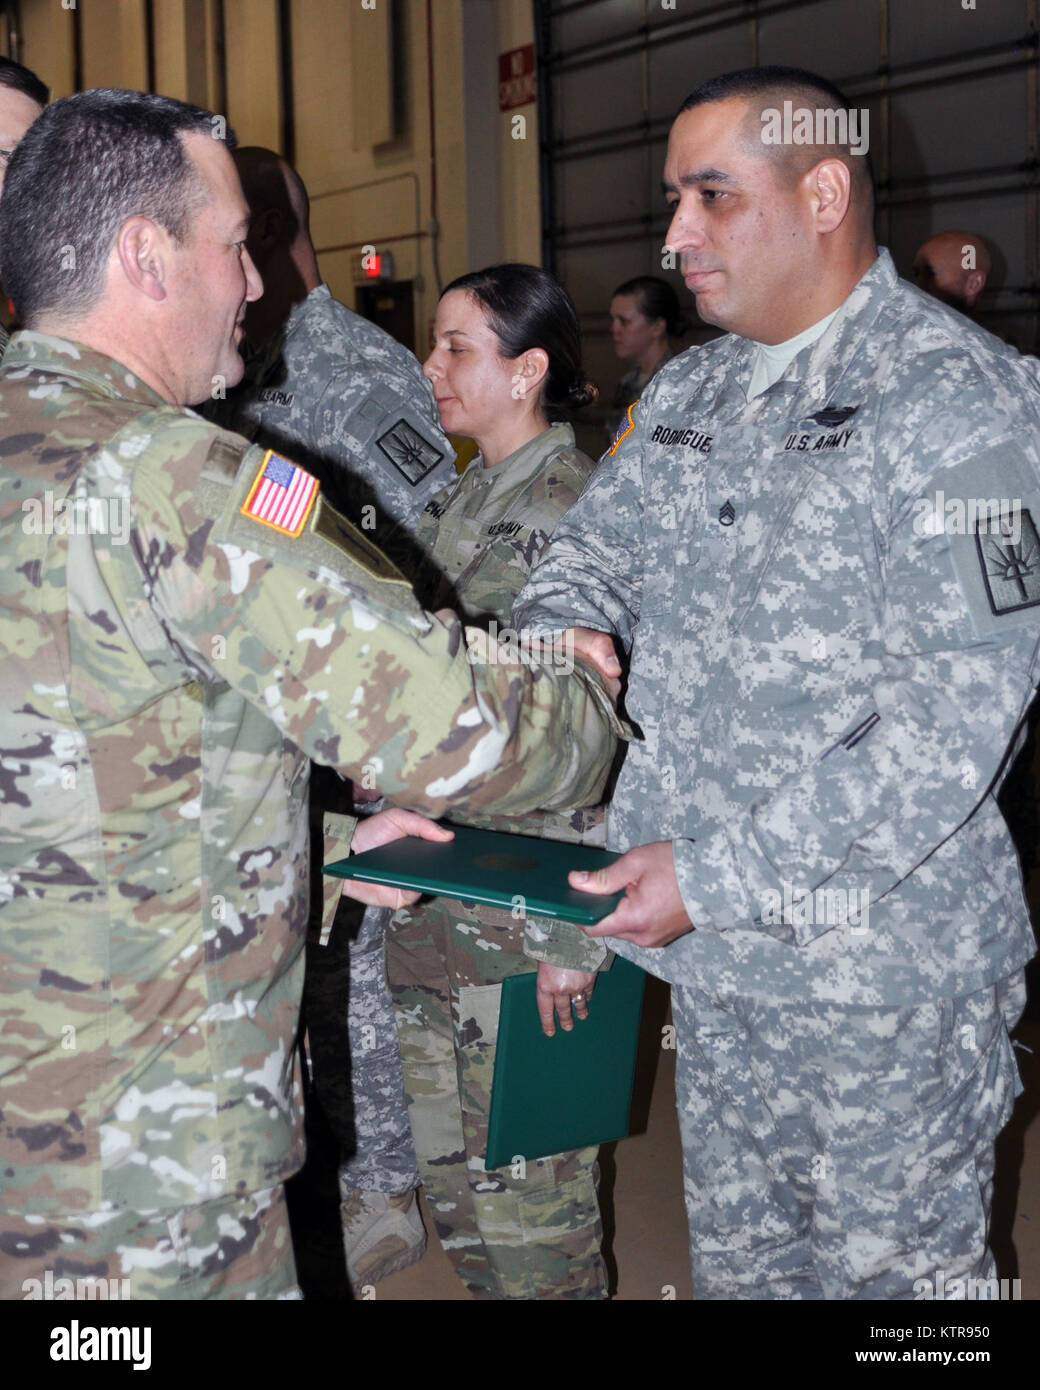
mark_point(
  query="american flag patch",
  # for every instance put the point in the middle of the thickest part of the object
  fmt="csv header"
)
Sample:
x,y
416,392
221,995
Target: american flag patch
x,y
626,427
281,496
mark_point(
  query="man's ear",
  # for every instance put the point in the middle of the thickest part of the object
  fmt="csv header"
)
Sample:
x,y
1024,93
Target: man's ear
x,y
266,232
974,285
143,248
831,189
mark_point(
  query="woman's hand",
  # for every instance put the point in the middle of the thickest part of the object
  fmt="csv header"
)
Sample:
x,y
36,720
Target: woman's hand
x,y
558,989
378,830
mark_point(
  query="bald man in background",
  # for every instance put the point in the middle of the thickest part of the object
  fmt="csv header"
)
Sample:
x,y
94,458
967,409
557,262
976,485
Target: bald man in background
x,y
22,97
954,267
337,393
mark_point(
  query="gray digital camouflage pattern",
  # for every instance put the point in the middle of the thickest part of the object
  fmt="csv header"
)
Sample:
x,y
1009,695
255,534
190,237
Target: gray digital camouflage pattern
x,y
356,402
344,399
828,663
836,1152
171,667
534,1233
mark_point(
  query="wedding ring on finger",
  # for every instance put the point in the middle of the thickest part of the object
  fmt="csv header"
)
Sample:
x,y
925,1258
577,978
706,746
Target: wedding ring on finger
x,y
578,998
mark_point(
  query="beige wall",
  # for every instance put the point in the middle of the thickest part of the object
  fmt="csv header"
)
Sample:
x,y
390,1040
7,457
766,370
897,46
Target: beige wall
x,y
518,158
365,187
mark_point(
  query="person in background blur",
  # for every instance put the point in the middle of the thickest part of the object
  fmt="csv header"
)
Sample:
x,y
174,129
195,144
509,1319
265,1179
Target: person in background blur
x,y
953,267
22,97
506,370
644,314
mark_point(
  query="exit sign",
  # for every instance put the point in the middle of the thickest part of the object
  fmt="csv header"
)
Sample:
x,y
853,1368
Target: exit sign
x,y
516,77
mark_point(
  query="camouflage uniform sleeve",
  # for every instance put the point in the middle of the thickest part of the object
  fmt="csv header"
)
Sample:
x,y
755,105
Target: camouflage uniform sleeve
x,y
407,444
564,944
591,573
325,638
960,650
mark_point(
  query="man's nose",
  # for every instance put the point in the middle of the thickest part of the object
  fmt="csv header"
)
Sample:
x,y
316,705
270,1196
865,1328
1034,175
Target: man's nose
x,y
685,231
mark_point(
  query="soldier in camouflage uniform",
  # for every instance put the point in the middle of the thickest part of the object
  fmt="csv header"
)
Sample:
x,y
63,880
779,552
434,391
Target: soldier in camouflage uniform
x,y
351,404
501,368
187,623
832,644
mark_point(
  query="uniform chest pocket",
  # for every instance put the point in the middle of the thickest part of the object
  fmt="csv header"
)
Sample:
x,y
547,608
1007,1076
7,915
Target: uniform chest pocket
x,y
673,529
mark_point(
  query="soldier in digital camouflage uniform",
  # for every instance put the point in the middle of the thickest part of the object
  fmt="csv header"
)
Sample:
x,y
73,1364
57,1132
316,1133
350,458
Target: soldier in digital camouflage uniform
x,y
347,401
186,624
535,1234
830,655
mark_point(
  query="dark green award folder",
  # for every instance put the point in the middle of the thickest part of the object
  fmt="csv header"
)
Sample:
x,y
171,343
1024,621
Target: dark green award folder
x,y
489,866
574,1089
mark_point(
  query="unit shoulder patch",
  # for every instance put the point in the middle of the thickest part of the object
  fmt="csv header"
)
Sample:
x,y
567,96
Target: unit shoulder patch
x,y
349,541
1009,558
411,454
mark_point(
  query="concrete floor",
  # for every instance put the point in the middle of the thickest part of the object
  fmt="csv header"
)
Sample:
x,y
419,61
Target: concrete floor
x,y
643,1185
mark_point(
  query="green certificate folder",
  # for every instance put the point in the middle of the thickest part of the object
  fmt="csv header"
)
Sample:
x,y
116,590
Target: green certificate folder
x,y
574,1089
489,866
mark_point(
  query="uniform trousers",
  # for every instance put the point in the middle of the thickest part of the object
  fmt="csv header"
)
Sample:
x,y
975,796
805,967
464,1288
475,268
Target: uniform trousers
x,y
531,1230
838,1152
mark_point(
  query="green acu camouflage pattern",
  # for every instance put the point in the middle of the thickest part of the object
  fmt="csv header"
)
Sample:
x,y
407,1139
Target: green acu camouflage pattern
x,y
338,395
827,663
532,1230
161,699
481,536
354,405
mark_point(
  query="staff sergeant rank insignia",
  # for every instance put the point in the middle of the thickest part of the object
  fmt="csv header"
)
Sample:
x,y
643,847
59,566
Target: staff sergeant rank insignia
x,y
1010,570
411,454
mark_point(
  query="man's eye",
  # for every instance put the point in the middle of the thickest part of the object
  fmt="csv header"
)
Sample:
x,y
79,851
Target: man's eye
x,y
712,195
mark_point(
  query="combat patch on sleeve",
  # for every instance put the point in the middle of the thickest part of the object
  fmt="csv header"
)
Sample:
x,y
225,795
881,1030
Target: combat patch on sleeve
x,y
624,429
281,495
412,455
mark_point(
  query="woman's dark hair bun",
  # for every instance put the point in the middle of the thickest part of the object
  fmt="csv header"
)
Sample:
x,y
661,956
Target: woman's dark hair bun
x,y
582,392
529,308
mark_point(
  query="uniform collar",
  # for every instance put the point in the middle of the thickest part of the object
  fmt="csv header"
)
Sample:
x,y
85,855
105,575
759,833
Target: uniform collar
x,y
43,352
261,361
525,461
813,378
318,295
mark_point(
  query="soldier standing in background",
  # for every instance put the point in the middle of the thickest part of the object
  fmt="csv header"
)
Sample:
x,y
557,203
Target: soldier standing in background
x,y
831,651
22,97
187,624
506,369
954,267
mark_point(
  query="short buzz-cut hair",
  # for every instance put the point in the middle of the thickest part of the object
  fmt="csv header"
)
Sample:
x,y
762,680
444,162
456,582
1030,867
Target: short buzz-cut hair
x,y
768,87
85,166
21,79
